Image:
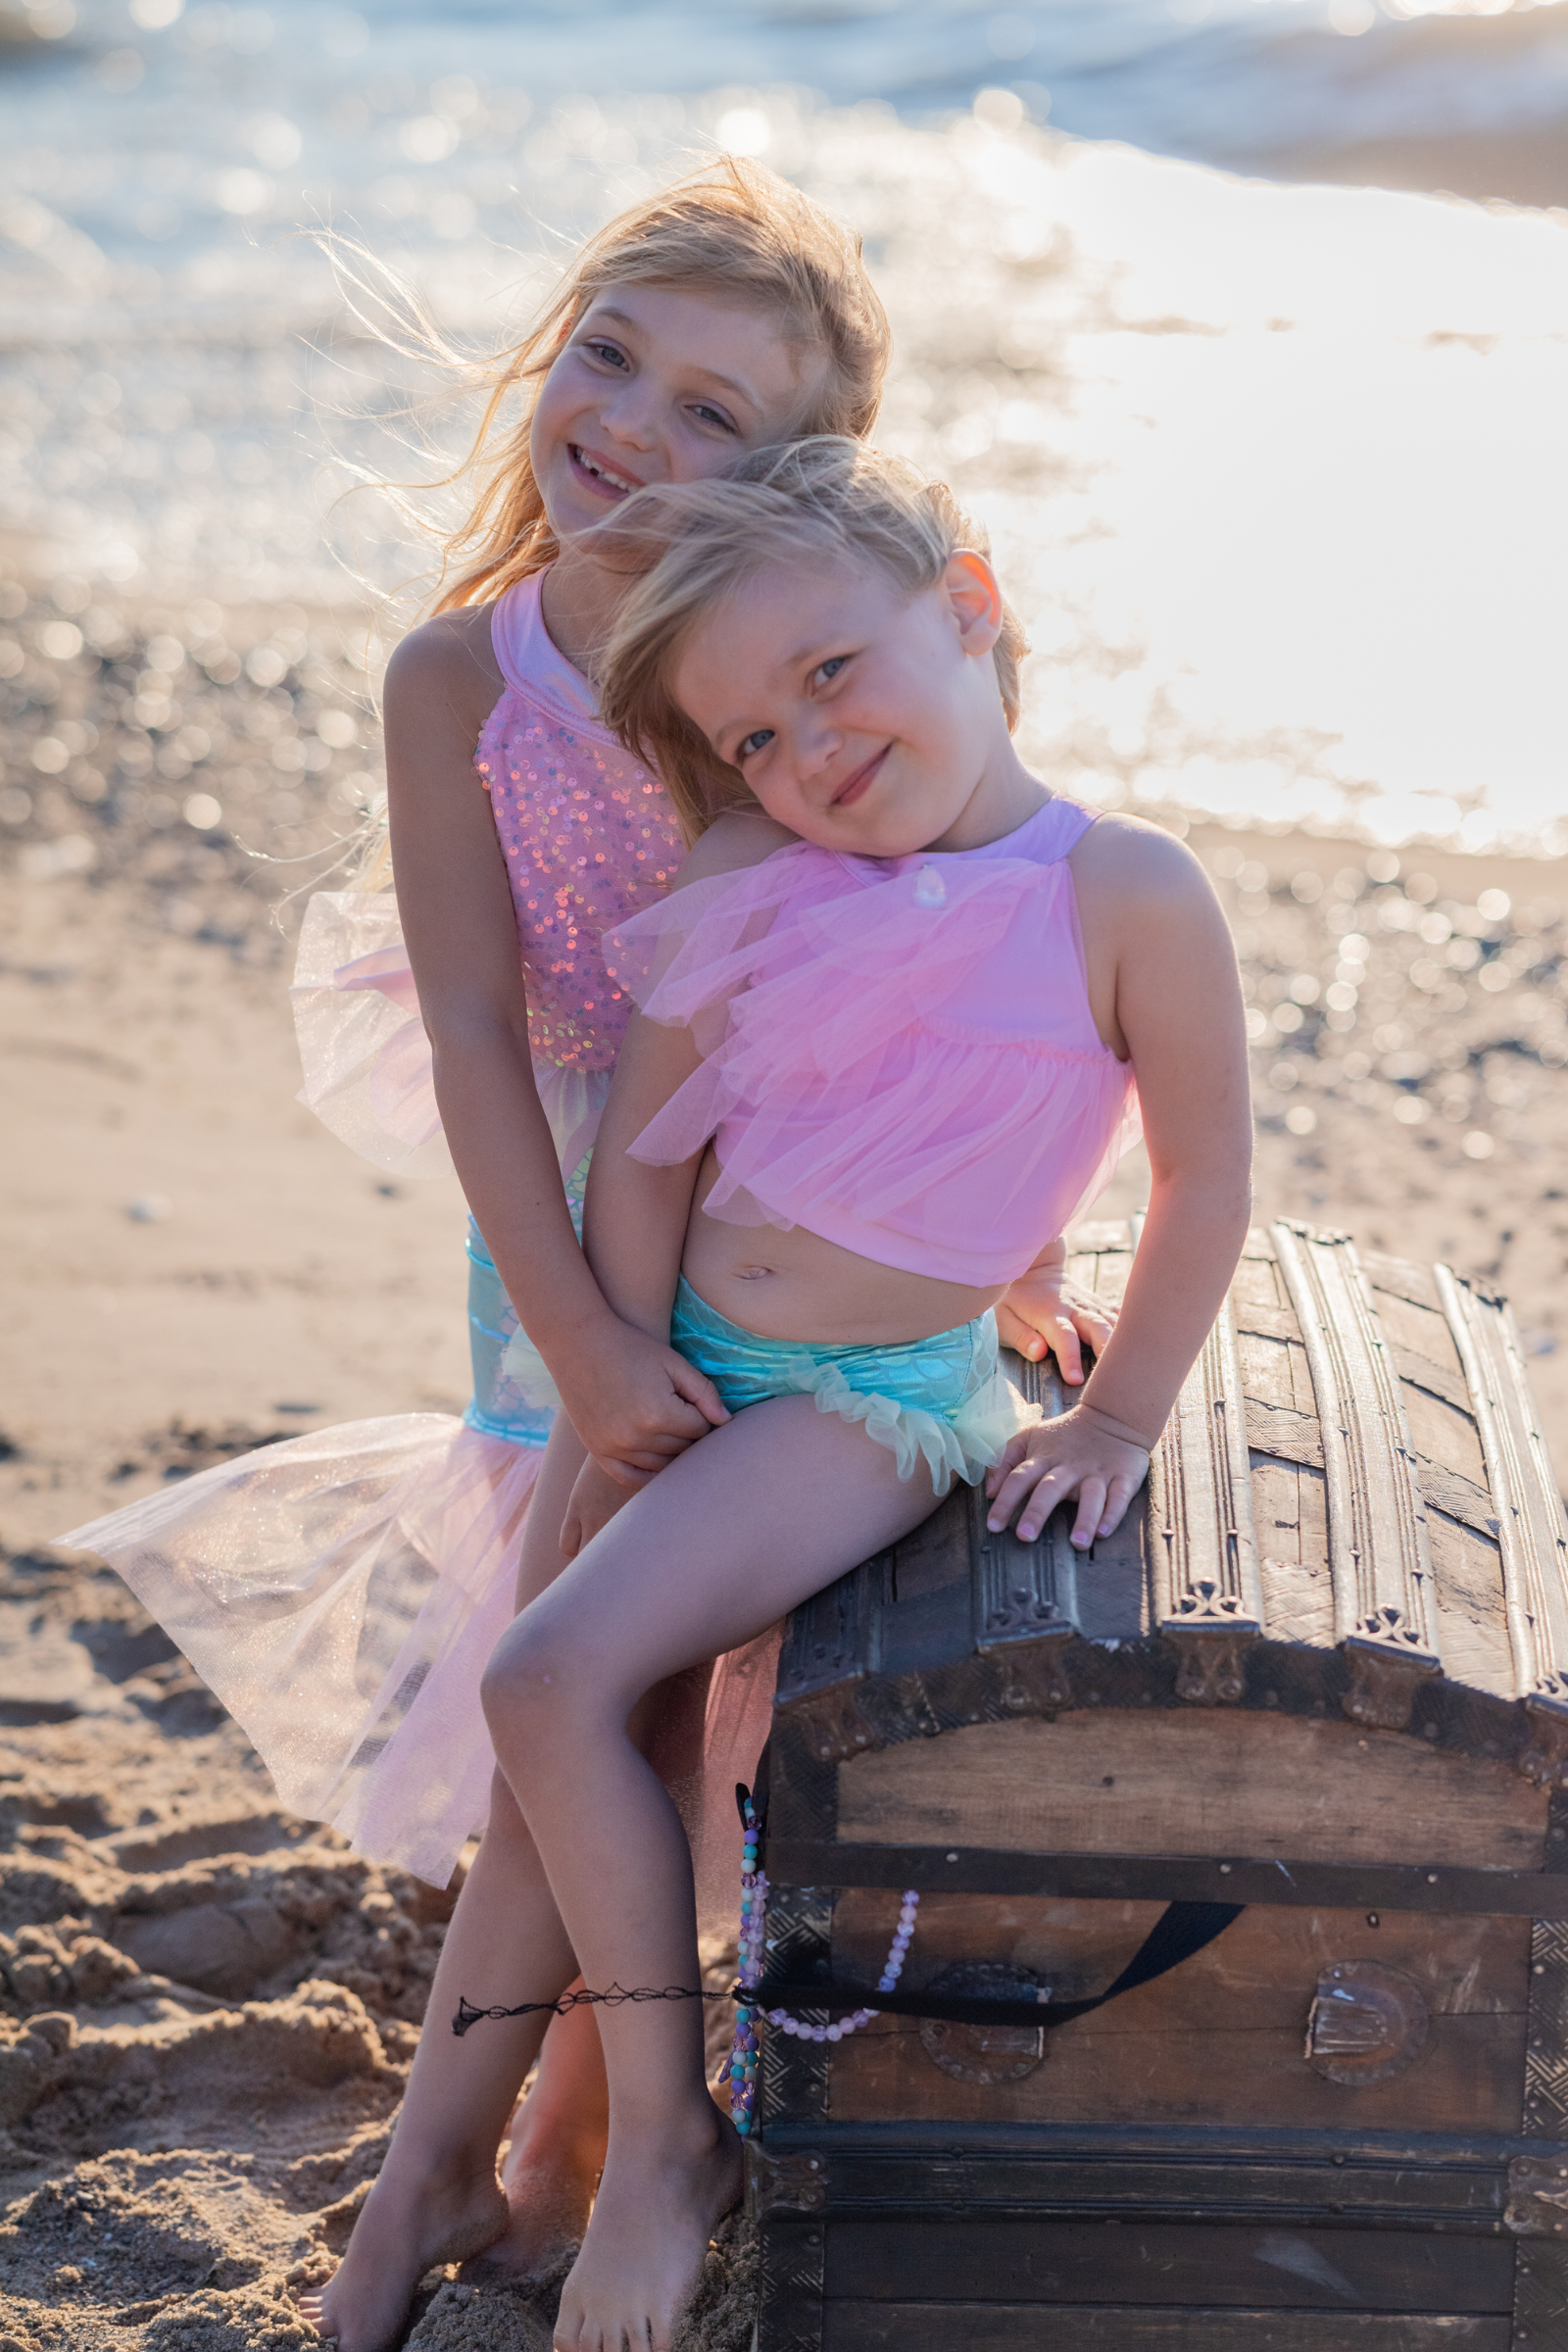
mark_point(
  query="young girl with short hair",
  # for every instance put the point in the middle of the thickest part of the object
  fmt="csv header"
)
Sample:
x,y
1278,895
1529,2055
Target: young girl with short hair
x,y
892,1013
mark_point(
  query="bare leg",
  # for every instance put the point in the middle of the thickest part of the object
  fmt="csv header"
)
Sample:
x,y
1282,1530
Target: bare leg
x,y
763,1512
560,2131
436,2198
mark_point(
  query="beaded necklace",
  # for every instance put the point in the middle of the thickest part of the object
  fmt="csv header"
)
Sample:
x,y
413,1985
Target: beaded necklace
x,y
744,2050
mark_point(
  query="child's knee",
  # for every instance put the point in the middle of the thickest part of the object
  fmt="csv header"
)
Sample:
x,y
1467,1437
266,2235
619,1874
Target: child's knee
x,y
531,1681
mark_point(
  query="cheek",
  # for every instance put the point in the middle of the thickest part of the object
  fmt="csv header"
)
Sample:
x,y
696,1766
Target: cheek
x,y
695,457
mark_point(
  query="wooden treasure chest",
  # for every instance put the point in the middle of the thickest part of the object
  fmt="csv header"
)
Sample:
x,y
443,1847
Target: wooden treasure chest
x,y
1235,2016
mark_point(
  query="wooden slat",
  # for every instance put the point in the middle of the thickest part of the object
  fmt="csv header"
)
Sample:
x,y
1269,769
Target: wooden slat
x,y
1377,1526
910,2165
1165,2264
1123,1781
1169,1878
1258,1976
1203,1545
907,2326
1533,1529
1466,2078
1290,1436
1420,1372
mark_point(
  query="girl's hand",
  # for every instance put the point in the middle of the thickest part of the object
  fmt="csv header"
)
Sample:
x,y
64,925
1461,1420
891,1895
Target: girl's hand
x,y
1044,1465
633,1401
1044,1310
595,1500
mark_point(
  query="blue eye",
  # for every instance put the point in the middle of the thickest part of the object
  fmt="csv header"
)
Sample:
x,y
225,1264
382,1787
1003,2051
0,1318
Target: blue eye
x,y
829,669
752,742
608,352
712,416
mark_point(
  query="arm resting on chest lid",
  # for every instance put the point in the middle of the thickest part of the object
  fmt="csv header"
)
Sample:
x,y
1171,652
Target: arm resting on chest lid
x,y
1162,978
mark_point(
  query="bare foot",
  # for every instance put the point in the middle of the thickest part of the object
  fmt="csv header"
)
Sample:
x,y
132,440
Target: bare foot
x,y
405,2228
550,2194
643,2256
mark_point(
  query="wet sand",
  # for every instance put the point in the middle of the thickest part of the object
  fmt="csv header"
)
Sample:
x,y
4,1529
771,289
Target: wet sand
x,y
207,2009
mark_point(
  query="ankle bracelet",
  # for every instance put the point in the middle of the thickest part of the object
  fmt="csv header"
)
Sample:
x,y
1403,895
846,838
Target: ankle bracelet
x,y
468,2015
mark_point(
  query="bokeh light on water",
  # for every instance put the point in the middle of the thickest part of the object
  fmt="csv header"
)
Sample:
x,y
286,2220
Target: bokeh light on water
x,y
1275,474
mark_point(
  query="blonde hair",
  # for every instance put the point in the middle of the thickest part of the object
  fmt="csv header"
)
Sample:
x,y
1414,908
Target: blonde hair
x,y
690,544
733,228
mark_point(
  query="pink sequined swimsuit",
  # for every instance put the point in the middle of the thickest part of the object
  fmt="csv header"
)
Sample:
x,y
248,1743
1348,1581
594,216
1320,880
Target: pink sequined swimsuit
x,y
590,837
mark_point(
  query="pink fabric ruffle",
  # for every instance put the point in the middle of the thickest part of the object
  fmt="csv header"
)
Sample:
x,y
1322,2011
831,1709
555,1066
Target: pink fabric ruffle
x,y
341,1595
370,1075
898,1056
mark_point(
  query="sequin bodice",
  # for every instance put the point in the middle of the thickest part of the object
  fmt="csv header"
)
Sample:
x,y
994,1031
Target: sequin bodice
x,y
588,834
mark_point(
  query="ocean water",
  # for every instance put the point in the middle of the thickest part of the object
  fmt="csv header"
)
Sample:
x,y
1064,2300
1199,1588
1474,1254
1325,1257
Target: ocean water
x,y
1275,471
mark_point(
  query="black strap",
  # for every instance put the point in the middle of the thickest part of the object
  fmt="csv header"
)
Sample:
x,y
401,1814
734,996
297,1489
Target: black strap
x,y
1180,1930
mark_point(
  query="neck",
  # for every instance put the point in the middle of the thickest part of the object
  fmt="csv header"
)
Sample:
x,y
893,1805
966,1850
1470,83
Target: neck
x,y
577,597
1005,797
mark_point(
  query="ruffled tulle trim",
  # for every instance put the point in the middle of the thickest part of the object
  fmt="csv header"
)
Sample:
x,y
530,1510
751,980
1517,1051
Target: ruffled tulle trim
x,y
913,1075
370,1075
964,1447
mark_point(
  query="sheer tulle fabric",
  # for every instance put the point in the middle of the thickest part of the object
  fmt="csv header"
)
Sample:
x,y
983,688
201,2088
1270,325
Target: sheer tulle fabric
x,y
913,1076
341,1595
366,1061
341,1592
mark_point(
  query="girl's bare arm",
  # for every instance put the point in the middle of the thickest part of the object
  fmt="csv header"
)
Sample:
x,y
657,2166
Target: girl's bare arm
x,y
1163,971
635,1225
631,1399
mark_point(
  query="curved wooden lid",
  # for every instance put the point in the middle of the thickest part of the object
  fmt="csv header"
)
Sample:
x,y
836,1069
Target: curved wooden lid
x,y
1351,1511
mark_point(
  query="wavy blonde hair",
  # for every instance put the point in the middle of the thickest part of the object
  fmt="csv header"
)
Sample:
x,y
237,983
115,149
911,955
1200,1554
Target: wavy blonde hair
x,y
688,546
732,228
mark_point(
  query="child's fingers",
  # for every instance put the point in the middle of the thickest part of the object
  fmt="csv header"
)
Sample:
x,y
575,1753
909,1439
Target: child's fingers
x,y
1010,1454
630,1471
1016,1332
1118,1494
697,1390
1066,1350
1034,1487
1056,1485
1091,1509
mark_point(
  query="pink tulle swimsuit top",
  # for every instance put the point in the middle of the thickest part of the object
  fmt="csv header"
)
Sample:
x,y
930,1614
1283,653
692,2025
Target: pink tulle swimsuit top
x,y
588,835
899,1053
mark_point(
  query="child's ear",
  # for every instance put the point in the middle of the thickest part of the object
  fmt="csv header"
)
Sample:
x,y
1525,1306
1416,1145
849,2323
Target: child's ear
x,y
975,600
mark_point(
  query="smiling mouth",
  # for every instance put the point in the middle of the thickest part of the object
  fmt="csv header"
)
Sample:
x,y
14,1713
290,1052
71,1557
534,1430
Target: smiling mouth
x,y
864,777
597,472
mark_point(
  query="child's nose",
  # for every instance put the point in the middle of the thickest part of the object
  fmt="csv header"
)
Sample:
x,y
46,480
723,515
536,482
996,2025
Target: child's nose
x,y
629,415
816,745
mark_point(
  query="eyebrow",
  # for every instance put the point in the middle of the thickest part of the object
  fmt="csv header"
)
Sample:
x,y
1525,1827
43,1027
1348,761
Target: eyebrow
x,y
708,375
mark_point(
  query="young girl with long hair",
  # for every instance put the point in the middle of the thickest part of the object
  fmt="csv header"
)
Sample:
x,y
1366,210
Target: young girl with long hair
x,y
893,1008
340,1592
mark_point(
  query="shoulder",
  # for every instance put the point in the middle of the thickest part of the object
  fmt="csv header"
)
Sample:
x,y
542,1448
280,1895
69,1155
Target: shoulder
x,y
1129,853
450,662
740,838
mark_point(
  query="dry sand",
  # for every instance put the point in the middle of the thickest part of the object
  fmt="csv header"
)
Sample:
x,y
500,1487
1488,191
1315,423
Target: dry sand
x,y
206,2008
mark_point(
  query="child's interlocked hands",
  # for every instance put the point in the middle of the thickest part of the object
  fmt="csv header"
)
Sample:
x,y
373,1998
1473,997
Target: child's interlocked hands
x,y
1082,1453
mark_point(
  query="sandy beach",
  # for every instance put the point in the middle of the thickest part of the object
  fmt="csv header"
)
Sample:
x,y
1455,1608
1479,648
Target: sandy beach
x,y
207,2009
